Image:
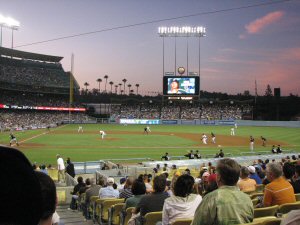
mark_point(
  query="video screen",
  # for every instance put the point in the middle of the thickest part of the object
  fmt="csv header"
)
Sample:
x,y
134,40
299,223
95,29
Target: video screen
x,y
175,85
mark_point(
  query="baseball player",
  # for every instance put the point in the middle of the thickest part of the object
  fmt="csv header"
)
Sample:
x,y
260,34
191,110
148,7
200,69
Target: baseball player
x,y
235,125
13,139
232,131
213,138
147,130
102,133
204,139
80,129
251,143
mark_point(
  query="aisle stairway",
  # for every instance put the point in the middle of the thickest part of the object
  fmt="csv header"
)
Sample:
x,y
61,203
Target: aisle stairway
x,y
70,217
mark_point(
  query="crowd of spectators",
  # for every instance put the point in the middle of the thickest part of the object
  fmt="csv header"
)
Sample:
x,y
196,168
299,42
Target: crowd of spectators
x,y
22,120
33,73
204,112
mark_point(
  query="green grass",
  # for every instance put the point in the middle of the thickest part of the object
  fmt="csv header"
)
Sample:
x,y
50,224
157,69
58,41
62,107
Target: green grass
x,y
124,144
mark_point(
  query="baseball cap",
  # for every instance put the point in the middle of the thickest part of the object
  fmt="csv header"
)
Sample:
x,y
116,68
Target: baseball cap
x,y
110,180
212,177
206,174
251,169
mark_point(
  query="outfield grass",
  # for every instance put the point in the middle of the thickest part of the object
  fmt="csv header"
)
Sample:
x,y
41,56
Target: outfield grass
x,y
129,141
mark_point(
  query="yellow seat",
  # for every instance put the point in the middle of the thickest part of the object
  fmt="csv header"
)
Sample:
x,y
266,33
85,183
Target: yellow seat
x,y
266,211
249,192
103,206
297,197
286,208
152,218
53,173
128,215
260,220
276,221
115,213
92,206
255,195
182,222
61,196
254,201
260,188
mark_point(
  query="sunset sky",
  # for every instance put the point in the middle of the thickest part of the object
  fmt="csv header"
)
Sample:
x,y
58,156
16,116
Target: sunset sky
x,y
241,45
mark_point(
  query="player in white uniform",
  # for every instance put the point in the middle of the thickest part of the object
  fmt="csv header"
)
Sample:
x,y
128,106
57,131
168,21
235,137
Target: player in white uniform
x,y
232,131
204,139
13,139
213,138
80,129
102,133
148,129
251,143
235,125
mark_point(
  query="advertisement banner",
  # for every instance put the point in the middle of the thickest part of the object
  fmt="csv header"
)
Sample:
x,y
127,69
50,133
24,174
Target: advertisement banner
x,y
42,108
169,122
138,121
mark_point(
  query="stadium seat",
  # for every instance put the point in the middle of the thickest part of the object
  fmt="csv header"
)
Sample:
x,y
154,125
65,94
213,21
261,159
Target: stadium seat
x,y
115,211
254,201
276,221
260,220
266,211
255,195
152,218
53,173
249,192
80,200
286,208
92,207
128,215
103,206
61,196
297,197
260,188
182,222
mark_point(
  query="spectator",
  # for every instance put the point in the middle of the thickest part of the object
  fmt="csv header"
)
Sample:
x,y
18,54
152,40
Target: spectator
x,y
183,203
70,168
296,180
126,192
92,191
156,198
149,188
253,175
49,198
138,191
279,191
245,183
109,191
212,184
227,204
60,168
21,195
43,169
75,192
292,218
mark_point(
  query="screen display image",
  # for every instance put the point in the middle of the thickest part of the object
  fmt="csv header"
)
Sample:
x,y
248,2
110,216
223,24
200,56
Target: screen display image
x,y
181,85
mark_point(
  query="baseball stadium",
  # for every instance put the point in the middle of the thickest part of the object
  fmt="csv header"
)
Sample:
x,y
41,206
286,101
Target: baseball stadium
x,y
116,154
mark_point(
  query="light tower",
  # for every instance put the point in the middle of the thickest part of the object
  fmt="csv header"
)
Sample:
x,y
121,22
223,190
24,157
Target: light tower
x,y
9,23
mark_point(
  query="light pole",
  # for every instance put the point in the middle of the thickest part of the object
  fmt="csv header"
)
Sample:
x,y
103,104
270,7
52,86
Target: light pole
x,y
9,23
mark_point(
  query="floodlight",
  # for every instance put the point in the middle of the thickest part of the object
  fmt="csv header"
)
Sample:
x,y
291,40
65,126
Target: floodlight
x,y
185,31
9,22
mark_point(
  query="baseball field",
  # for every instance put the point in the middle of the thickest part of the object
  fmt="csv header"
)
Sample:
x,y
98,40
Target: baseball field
x,y
129,141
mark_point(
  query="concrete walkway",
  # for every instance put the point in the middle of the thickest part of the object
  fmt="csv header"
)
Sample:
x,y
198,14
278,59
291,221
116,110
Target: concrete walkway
x,y
70,217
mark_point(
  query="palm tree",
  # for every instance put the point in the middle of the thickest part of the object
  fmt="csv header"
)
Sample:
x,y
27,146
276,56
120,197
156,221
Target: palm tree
x,y
111,84
120,87
137,89
86,84
116,88
124,81
99,80
129,86
105,77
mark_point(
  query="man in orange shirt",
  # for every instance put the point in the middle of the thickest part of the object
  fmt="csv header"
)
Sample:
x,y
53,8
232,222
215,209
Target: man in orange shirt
x,y
279,191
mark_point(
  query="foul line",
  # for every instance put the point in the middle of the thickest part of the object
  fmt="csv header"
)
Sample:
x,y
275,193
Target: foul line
x,y
28,139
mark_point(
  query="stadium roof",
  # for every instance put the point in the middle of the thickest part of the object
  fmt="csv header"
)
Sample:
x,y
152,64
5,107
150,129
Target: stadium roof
x,y
29,55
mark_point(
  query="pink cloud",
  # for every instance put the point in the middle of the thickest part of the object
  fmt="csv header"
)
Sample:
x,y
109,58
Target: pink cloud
x,y
259,24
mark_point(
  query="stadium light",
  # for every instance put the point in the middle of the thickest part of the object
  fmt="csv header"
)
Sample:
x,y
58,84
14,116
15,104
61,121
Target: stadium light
x,y
185,31
10,23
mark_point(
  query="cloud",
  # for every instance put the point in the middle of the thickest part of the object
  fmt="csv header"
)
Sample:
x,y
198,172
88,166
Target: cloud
x,y
260,24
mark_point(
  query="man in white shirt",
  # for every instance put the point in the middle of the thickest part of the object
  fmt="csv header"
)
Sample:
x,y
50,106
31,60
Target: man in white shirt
x,y
60,168
109,191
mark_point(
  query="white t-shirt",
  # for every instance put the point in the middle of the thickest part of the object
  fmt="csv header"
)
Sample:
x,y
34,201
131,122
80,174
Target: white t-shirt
x,y
60,164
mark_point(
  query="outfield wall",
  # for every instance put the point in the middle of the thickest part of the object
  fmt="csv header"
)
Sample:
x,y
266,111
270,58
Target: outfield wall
x,y
212,122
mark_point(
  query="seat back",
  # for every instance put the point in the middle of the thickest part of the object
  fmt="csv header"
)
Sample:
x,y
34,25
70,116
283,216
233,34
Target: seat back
x,y
286,208
99,208
92,206
297,196
61,196
53,173
115,213
152,218
276,221
254,201
266,211
182,222
107,204
260,188
128,215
